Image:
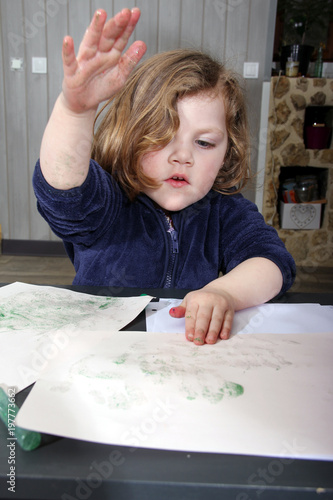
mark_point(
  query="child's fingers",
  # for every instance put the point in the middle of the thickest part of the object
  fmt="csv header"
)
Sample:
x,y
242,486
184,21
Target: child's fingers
x,y
136,13
193,330
68,56
131,58
118,30
121,42
177,312
227,324
215,326
207,317
197,322
91,39
182,311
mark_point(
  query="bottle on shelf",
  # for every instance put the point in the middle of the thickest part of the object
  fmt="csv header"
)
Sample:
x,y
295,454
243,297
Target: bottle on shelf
x,y
292,67
318,71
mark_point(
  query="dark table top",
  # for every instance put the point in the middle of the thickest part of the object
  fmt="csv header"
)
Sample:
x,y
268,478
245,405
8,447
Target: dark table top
x,y
69,469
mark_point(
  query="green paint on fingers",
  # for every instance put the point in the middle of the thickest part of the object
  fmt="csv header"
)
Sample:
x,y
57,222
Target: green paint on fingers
x,y
199,339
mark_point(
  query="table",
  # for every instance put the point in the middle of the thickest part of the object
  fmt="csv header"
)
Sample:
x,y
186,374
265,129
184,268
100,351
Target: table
x,y
70,469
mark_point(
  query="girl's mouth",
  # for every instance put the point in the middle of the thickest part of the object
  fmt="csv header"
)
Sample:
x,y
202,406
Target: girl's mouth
x,y
177,181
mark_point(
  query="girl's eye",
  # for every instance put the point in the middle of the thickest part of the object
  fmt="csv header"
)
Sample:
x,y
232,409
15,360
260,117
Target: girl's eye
x,y
205,144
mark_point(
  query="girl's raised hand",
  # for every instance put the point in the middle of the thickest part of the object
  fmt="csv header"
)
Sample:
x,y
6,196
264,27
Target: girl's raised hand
x,y
100,68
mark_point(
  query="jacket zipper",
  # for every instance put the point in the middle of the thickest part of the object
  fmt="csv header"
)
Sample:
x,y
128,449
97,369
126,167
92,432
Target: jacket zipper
x,y
174,250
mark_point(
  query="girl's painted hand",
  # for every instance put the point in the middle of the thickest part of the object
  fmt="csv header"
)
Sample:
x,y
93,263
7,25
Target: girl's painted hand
x,y
208,315
100,69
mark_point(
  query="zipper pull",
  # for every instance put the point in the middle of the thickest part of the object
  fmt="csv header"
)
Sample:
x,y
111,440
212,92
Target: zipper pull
x,y
174,241
173,233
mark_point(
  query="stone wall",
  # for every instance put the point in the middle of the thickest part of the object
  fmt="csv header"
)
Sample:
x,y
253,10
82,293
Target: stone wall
x,y
285,147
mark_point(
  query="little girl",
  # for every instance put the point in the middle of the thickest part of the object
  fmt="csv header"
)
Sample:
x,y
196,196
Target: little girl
x,y
155,203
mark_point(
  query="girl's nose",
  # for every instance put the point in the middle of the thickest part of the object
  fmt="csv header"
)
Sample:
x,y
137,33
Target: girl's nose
x,y
181,153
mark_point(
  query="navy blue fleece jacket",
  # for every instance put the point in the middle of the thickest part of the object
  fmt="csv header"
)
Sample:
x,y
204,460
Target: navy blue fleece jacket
x,y
115,242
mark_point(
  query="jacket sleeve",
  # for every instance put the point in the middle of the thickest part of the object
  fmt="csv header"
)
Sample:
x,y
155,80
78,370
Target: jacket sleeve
x,y
245,235
81,214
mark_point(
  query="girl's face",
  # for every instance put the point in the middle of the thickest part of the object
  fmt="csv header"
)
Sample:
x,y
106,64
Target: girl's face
x,y
187,167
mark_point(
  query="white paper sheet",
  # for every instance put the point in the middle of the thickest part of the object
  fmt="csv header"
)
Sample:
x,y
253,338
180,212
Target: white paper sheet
x,y
38,322
253,394
267,318
158,318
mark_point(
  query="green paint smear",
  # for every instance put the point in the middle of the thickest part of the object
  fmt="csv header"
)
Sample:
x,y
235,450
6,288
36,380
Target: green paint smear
x,y
160,369
121,360
233,390
42,311
104,306
229,390
148,372
109,301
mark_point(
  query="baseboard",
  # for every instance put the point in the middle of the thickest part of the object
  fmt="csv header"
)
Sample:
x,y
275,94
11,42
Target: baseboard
x,y
33,247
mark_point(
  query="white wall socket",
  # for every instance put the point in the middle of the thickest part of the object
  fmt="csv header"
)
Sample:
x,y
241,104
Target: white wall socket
x,y
16,63
39,65
251,70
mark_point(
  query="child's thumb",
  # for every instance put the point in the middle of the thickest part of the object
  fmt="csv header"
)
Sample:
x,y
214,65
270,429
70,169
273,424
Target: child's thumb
x,y
179,311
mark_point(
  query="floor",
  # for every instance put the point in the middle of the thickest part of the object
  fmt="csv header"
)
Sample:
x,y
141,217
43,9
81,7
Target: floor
x,y
36,270
59,271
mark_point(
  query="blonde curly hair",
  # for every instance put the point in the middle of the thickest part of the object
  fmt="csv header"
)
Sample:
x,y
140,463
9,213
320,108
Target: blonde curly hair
x,y
143,117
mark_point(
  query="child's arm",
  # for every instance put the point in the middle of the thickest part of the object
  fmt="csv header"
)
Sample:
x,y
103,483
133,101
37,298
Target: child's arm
x,y
209,312
95,75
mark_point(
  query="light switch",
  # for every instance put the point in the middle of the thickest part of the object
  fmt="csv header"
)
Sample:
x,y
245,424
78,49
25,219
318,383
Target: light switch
x,y
251,70
39,65
16,63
